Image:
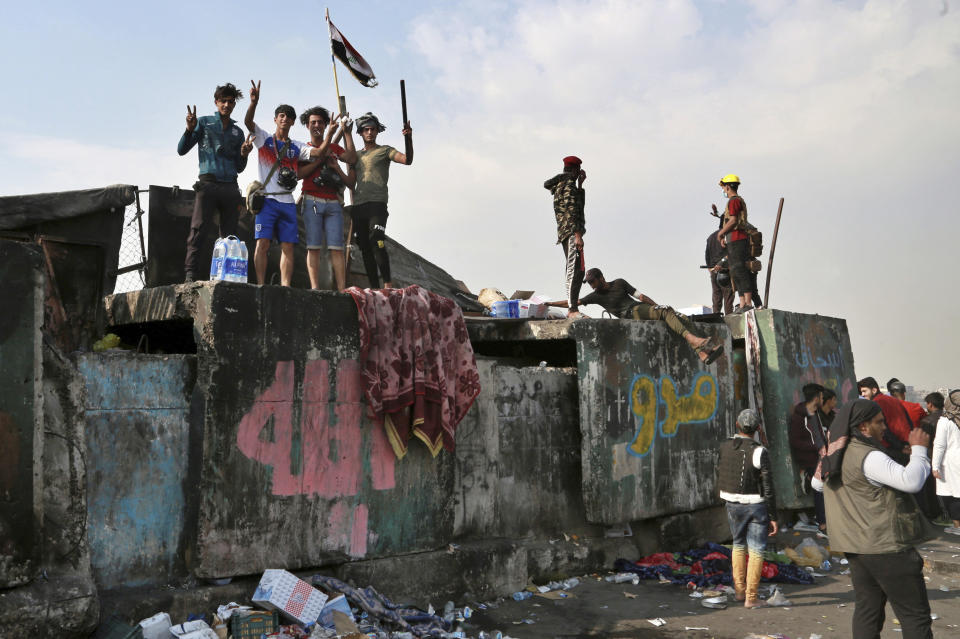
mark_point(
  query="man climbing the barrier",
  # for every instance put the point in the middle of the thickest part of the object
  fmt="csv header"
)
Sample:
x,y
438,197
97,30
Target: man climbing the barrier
x,y
622,300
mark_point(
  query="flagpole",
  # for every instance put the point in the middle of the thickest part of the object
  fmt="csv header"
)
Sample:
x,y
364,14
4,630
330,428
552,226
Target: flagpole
x,y
333,61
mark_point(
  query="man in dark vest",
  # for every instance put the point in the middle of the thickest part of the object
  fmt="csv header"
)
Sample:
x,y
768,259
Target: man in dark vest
x,y
746,484
875,521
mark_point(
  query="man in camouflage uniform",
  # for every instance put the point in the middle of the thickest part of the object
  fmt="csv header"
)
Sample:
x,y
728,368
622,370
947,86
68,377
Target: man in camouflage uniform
x,y
568,198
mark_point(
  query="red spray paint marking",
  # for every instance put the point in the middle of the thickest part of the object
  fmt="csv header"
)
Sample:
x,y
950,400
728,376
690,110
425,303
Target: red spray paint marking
x,y
343,439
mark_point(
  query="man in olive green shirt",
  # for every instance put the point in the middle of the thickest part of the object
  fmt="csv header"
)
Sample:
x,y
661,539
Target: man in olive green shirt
x,y
369,210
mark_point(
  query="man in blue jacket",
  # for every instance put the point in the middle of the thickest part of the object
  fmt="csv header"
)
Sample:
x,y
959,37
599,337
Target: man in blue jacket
x,y
222,150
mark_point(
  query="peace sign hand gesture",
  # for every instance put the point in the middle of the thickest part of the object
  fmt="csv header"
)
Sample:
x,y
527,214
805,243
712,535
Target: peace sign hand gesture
x,y
191,118
254,92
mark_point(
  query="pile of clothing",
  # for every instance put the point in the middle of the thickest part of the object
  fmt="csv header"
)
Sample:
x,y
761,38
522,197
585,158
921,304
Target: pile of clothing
x,y
705,567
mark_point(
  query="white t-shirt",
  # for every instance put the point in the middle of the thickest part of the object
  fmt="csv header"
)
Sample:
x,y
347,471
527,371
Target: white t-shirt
x,y
293,151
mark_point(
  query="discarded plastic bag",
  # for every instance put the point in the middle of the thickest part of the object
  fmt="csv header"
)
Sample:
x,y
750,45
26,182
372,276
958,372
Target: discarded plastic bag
x,y
715,602
777,599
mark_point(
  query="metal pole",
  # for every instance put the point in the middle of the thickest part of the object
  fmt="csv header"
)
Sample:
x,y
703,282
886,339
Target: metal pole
x,y
333,61
773,248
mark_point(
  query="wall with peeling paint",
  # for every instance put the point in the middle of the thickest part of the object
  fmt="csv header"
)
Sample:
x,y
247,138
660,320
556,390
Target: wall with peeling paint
x,y
796,349
651,416
138,455
22,287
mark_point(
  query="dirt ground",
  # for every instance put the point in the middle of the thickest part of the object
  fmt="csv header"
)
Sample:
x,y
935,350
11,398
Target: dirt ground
x,y
601,609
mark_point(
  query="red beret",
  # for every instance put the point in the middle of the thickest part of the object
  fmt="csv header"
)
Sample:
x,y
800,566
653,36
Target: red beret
x,y
572,160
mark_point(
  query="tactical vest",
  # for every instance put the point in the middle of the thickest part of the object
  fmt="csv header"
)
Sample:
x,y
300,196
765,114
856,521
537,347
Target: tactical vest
x,y
742,217
736,473
869,519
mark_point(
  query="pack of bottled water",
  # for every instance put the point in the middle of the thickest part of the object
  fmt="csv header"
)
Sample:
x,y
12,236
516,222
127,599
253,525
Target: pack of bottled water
x,y
229,261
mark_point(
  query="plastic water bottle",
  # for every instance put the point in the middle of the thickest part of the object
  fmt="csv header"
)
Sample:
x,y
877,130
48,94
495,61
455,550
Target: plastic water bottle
x,y
216,264
243,263
235,264
230,260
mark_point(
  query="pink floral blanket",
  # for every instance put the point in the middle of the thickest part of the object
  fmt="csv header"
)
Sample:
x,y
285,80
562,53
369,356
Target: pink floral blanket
x,y
419,370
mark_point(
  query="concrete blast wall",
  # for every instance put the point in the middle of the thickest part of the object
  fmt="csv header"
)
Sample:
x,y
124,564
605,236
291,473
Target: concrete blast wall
x,y
246,445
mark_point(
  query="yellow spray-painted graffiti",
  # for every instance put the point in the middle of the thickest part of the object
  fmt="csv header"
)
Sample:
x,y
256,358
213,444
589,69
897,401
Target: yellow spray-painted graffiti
x,y
698,406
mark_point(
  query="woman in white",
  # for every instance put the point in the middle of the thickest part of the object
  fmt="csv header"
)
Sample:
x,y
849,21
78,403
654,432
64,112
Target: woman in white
x,y
946,458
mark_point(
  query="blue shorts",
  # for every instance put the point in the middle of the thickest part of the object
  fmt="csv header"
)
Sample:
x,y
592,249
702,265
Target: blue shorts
x,y
323,220
277,219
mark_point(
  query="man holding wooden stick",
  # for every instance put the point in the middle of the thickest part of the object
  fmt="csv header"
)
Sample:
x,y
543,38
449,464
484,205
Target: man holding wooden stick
x,y
369,211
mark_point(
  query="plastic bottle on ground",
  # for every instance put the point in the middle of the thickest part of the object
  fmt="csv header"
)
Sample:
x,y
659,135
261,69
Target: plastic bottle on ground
x,y
624,577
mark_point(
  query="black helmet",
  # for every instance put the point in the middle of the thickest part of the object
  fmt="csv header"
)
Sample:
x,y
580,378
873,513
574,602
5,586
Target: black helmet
x,y
723,278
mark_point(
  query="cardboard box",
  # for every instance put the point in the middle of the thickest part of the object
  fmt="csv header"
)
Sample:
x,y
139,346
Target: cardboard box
x,y
337,603
293,597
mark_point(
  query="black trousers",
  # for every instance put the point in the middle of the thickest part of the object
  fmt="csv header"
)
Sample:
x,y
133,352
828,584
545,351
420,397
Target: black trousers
x,y
738,253
369,229
210,198
897,577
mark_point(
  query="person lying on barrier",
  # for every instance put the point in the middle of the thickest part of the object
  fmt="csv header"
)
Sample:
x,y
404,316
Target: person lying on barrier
x,y
624,301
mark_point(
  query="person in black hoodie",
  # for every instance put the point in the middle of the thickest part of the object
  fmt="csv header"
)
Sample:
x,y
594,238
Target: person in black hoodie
x,y
807,438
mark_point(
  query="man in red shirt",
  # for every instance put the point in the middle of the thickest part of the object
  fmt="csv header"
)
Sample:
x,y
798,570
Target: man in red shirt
x,y
735,240
898,389
321,199
895,415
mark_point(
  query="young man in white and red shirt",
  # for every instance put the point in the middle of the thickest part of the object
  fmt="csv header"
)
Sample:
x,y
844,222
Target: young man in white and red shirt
x,y
321,199
278,217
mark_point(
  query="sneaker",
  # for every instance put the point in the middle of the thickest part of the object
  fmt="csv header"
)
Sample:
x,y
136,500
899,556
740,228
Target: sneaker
x,y
952,530
942,522
822,534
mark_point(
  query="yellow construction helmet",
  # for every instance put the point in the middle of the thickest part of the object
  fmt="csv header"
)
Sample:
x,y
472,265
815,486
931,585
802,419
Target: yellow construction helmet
x,y
730,178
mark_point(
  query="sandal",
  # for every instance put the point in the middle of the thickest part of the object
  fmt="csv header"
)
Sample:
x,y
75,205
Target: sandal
x,y
713,348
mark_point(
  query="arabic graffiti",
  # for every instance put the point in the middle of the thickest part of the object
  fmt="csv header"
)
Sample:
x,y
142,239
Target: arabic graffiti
x,y
805,358
646,395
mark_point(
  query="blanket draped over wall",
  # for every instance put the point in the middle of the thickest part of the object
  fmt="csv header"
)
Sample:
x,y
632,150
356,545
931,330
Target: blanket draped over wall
x,y
419,370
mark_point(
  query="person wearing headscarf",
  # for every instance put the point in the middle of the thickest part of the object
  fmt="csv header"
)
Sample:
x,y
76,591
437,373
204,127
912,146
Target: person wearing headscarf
x,y
946,458
746,485
874,519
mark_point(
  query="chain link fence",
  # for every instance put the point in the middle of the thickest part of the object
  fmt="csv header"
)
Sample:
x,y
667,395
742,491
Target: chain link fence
x,y
133,256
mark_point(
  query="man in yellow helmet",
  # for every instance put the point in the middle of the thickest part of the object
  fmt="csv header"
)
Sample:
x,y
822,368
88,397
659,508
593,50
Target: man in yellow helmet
x,y
734,238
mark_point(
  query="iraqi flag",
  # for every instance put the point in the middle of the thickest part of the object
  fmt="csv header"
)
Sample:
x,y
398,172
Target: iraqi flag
x,y
351,58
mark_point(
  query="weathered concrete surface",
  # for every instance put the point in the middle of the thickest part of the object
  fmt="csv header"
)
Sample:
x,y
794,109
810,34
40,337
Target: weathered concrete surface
x,y
44,560
651,416
293,471
22,285
518,455
137,442
797,349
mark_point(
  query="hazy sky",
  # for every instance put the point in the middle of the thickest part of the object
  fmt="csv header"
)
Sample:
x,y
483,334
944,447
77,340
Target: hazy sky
x,y
848,110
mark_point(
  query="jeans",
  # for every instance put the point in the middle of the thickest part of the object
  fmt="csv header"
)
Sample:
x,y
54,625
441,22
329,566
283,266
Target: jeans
x,y
323,220
748,525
